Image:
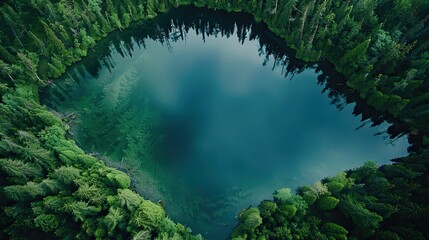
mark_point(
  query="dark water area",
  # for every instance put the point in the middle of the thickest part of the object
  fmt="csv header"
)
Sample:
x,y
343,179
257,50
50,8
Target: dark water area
x,y
209,112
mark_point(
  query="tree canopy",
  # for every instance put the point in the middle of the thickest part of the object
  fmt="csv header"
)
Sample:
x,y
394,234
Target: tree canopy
x,y
51,189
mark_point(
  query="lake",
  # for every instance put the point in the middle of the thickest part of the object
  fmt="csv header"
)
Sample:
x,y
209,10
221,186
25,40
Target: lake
x,y
210,113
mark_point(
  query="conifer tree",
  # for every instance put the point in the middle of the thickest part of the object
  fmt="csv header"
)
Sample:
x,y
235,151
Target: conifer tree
x,y
5,55
29,62
355,57
12,24
55,43
6,69
39,44
20,171
105,26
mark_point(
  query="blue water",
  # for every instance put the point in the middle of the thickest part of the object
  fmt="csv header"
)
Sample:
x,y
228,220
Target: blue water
x,y
226,128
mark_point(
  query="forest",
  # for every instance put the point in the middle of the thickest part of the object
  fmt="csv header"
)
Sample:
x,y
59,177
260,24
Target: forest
x,y
52,189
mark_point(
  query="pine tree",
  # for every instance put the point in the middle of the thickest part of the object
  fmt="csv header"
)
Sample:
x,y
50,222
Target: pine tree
x,y
110,7
29,62
5,55
81,210
113,218
47,222
115,19
94,5
12,24
6,69
129,199
39,44
355,57
67,175
58,64
105,26
148,215
90,193
66,36
53,71
126,17
25,192
358,212
55,45
20,171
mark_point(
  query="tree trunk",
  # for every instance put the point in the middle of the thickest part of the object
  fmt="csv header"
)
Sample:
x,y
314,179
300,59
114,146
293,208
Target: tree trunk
x,y
14,33
11,78
303,19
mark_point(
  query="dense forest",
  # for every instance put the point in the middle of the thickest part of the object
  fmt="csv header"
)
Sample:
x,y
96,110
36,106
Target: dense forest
x,y
50,188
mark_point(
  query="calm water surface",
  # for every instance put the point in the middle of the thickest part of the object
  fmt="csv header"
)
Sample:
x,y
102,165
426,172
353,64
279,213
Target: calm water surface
x,y
197,108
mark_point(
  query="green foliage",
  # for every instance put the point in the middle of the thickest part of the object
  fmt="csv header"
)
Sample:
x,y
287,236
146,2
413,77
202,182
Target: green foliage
x,y
267,208
53,190
288,210
335,231
334,187
327,203
6,70
337,183
53,203
67,175
309,197
369,197
358,212
142,235
119,179
113,218
313,192
91,193
249,221
56,45
22,193
20,171
129,199
81,210
355,57
368,169
47,222
282,195
148,215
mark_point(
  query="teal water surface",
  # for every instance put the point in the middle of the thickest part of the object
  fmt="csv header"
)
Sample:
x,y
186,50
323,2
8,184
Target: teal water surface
x,y
209,114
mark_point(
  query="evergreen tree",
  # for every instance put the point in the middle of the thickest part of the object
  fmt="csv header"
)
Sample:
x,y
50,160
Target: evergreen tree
x,y
6,56
20,171
13,23
6,69
55,45
355,57
30,63
39,44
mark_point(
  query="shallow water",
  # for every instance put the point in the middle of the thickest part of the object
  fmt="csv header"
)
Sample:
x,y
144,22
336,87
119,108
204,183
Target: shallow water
x,y
210,115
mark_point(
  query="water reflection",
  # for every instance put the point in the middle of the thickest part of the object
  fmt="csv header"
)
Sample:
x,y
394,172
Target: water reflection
x,y
210,113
